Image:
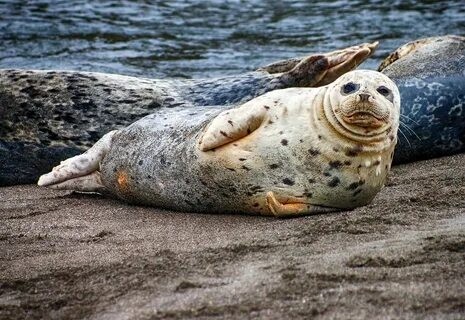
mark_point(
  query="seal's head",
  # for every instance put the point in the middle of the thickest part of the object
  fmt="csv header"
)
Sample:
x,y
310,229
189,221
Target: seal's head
x,y
363,105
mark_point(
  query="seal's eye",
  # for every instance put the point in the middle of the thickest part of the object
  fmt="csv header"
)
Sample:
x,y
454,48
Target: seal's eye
x,y
384,91
350,87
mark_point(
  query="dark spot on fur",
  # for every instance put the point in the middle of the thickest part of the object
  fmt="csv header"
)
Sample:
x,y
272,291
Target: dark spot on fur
x,y
335,164
256,204
311,180
353,152
284,142
320,137
307,194
274,166
288,181
347,163
327,174
246,168
281,132
334,182
266,107
231,169
314,152
335,149
357,192
353,186
377,162
270,122
230,122
224,134
141,162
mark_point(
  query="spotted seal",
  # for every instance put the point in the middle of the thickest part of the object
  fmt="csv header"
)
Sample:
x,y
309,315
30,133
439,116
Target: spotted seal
x,y
430,74
288,152
47,116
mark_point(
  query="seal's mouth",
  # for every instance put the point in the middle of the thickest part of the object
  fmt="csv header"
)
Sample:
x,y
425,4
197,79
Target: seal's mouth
x,y
365,119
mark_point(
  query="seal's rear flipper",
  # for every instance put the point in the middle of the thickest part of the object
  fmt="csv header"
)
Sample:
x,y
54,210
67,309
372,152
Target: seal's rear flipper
x,y
89,183
320,69
79,173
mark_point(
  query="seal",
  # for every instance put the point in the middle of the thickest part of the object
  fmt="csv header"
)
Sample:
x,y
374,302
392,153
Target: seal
x,y
288,152
48,116
430,75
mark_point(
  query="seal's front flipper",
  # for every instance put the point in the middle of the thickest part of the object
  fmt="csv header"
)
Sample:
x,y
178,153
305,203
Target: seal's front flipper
x,y
292,209
80,172
234,124
321,69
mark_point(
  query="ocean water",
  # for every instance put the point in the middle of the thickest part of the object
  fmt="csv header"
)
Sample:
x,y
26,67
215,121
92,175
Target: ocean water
x,y
195,39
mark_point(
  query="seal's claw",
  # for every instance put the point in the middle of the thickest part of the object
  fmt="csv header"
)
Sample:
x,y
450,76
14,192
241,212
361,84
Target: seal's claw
x,y
281,210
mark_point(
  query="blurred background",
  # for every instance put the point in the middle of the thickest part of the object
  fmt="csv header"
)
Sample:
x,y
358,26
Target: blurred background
x,y
193,39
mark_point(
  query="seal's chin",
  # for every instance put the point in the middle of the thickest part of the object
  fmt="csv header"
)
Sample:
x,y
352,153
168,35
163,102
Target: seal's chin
x,y
364,119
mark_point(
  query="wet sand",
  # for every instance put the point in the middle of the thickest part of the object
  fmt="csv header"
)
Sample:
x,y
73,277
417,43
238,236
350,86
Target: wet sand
x,y
72,256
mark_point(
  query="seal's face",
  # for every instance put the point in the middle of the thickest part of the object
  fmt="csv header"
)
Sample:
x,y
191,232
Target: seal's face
x,y
364,103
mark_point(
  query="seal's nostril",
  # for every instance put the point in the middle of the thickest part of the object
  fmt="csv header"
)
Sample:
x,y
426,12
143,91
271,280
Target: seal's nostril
x,y
364,97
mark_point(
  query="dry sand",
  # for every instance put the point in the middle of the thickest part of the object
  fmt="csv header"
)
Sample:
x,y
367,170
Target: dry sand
x,y
75,256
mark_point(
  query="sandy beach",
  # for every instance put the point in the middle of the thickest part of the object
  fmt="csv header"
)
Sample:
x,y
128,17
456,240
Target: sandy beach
x,y
65,255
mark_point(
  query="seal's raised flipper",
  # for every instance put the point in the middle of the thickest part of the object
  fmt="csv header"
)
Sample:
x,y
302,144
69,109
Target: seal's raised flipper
x,y
79,173
292,209
320,69
234,124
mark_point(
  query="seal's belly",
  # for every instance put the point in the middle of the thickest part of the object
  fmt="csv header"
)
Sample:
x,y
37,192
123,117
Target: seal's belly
x,y
299,175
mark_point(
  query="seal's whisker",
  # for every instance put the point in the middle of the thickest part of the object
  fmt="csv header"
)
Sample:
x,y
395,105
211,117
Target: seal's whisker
x,y
409,129
410,145
408,118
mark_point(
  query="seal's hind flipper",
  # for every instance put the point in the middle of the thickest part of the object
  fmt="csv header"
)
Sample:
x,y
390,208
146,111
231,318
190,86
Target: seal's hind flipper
x,y
81,166
321,69
293,209
89,183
